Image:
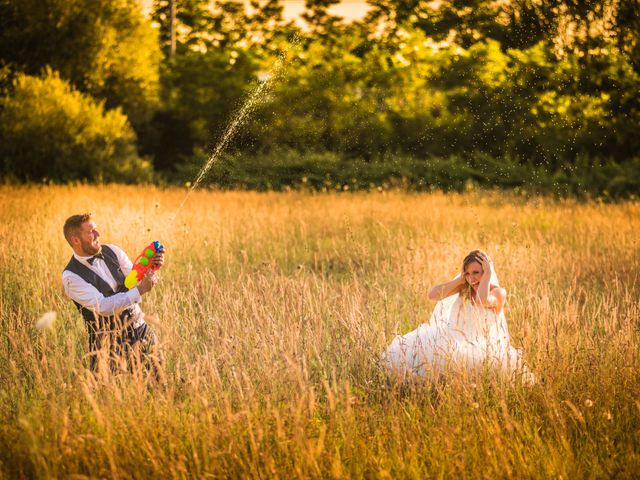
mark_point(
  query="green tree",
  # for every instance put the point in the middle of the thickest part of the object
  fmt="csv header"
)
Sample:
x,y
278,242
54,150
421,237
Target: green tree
x,y
49,130
219,52
319,21
106,48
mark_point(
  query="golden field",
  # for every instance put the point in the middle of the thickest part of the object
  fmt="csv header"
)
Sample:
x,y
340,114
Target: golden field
x,y
272,311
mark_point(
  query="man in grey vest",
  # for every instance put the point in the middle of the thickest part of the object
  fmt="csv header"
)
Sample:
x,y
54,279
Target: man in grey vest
x,y
94,280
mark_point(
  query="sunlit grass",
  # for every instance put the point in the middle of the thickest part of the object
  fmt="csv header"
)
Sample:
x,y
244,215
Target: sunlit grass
x,y
272,310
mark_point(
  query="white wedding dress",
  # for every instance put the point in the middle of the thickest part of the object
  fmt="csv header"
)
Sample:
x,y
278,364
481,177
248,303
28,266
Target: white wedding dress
x,y
460,336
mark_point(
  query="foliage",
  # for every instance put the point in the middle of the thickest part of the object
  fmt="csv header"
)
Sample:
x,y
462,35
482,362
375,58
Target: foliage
x,y
323,171
545,84
49,130
219,54
196,110
106,48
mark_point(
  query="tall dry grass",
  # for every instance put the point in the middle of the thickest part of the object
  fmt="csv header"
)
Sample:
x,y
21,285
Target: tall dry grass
x,y
272,310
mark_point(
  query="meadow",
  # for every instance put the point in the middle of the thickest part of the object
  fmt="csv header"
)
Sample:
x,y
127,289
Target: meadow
x,y
272,311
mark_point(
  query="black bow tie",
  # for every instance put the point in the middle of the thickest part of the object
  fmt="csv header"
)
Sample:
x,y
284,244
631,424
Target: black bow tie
x,y
92,259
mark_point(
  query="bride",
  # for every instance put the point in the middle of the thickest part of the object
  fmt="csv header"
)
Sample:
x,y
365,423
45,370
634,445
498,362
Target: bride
x,y
467,331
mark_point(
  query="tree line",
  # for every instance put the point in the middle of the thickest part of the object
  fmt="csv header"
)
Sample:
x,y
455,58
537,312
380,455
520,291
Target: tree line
x,y
537,94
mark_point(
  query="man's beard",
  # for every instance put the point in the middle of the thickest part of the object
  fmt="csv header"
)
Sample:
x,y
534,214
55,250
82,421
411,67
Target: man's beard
x,y
89,249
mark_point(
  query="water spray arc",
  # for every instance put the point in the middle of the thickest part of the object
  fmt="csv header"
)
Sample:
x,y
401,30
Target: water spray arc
x,y
265,82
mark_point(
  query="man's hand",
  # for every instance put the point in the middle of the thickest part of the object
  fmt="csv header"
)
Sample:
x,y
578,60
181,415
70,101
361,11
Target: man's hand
x,y
158,259
148,282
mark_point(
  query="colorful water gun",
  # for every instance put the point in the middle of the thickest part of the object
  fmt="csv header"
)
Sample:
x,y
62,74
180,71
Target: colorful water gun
x,y
142,264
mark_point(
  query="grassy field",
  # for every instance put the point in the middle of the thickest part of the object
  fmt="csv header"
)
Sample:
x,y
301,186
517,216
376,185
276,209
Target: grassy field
x,y
272,311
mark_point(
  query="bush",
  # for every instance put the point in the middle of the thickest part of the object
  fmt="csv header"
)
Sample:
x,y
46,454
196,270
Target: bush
x,y
283,168
329,171
105,48
49,130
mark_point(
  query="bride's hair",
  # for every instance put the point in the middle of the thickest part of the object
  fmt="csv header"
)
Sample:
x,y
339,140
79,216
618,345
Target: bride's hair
x,y
473,256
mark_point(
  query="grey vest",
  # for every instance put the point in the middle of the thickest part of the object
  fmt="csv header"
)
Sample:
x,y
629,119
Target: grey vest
x,y
110,258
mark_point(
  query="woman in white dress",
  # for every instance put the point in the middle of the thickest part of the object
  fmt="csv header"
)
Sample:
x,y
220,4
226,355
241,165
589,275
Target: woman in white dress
x,y
467,331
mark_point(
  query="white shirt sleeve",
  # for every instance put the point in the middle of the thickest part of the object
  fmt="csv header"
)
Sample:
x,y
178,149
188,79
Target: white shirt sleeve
x,y
90,297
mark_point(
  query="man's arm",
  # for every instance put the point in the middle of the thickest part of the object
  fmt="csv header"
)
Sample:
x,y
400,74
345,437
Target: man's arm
x,y
89,297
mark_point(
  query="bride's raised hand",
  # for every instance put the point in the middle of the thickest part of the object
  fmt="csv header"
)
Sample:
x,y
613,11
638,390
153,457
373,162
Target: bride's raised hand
x,y
487,264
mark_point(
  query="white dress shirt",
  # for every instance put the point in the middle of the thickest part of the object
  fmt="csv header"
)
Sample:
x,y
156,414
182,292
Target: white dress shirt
x,y
90,297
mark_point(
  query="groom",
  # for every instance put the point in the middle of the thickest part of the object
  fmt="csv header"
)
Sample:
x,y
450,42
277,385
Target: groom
x,y
94,280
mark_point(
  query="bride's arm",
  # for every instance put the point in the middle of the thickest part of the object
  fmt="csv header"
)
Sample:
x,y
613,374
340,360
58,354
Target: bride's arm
x,y
447,289
494,299
489,295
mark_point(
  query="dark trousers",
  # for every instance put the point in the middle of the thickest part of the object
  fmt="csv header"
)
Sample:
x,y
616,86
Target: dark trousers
x,y
118,344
